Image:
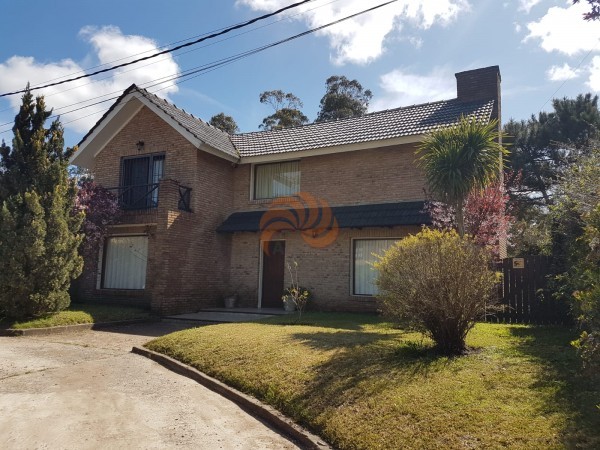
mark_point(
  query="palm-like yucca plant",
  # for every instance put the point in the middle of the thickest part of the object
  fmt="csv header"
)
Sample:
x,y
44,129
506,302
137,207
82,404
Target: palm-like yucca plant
x,y
459,159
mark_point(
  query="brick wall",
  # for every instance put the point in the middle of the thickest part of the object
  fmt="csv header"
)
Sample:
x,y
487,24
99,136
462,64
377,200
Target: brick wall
x,y
480,84
380,175
188,263
325,272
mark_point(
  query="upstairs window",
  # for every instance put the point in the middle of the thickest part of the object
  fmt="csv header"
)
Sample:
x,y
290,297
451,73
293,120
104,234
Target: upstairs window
x,y
139,181
276,180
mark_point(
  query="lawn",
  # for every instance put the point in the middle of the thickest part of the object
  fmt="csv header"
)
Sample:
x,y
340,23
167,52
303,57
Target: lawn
x,y
79,313
361,384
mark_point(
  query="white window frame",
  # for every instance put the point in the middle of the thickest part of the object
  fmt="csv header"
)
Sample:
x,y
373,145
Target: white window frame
x,y
353,259
253,179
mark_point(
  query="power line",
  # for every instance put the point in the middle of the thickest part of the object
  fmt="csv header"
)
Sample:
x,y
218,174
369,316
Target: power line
x,y
209,67
204,38
46,96
576,68
162,59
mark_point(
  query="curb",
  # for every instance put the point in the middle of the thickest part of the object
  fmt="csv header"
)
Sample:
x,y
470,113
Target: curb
x,y
70,328
268,414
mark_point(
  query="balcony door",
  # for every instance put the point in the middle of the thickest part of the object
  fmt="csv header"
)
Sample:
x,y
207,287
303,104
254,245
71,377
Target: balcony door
x,y
139,181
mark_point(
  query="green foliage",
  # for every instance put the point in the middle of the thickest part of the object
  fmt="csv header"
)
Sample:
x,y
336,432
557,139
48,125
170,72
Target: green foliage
x,y
460,159
343,98
543,148
576,249
439,282
295,293
287,110
38,228
224,123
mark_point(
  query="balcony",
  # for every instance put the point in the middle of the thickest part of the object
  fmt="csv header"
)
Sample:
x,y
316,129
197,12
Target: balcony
x,y
146,196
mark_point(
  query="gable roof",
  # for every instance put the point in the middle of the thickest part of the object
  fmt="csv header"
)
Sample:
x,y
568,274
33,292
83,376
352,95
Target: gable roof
x,y
199,133
202,130
408,123
377,126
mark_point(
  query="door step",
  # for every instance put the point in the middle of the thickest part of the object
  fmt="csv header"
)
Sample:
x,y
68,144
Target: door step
x,y
226,315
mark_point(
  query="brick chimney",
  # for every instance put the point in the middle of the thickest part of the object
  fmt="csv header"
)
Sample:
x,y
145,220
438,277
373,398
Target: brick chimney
x,y
480,84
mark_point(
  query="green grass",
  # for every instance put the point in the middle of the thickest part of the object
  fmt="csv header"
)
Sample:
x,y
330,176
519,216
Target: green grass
x,y
79,313
361,384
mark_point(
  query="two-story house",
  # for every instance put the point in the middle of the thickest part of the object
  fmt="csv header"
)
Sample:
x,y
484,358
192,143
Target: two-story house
x,y
208,214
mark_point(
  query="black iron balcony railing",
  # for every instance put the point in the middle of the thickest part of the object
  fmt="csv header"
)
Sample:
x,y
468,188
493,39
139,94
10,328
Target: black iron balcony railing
x,y
142,196
185,195
145,196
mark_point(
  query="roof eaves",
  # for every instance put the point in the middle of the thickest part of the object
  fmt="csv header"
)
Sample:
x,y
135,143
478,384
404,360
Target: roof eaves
x,y
125,93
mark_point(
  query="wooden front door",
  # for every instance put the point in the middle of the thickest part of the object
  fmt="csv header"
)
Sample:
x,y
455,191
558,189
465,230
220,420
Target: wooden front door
x,y
273,270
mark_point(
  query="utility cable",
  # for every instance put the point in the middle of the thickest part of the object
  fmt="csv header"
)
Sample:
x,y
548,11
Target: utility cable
x,y
199,70
171,50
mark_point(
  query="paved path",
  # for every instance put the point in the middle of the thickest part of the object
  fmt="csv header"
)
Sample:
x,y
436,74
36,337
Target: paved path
x,y
85,390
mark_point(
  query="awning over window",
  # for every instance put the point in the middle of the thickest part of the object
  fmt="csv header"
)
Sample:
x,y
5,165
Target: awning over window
x,y
356,216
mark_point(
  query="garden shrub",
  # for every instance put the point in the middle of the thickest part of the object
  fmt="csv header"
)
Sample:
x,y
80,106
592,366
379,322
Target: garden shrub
x,y
439,283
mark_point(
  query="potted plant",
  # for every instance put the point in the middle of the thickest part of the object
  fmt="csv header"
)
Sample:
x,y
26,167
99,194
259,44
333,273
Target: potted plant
x,y
230,301
295,297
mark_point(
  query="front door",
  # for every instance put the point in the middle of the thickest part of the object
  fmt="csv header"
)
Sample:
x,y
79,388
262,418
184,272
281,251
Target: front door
x,y
273,270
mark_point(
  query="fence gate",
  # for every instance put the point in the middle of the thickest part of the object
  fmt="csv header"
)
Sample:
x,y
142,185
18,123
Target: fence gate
x,y
525,297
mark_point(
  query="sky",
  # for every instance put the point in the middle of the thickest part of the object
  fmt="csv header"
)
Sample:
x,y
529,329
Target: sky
x,y
405,53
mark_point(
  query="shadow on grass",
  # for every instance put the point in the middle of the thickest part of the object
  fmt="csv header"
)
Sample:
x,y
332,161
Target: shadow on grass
x,y
343,321
364,363
576,393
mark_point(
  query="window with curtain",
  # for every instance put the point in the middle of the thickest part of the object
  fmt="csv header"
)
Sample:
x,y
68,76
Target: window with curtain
x,y
276,180
364,257
125,260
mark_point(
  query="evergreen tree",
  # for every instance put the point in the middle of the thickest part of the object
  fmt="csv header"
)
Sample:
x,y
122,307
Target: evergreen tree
x,y
544,147
287,110
38,227
224,123
343,98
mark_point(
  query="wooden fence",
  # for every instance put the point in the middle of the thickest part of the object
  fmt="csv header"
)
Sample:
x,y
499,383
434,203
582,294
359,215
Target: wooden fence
x,y
524,296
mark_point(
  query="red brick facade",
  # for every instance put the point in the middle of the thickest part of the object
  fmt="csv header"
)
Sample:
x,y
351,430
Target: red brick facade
x,y
188,262
190,265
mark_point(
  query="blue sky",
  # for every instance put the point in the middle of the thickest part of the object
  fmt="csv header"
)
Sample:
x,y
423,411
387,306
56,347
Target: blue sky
x,y
406,53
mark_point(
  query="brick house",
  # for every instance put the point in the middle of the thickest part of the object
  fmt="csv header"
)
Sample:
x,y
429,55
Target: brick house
x,y
195,225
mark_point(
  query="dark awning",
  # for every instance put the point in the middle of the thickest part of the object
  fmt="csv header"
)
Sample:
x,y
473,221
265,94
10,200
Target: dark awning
x,y
356,216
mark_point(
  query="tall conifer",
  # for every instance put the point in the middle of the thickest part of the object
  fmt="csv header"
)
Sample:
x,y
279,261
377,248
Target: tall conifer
x,y
39,231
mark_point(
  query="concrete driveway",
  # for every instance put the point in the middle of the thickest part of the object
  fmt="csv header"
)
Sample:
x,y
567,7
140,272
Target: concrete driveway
x,y
85,390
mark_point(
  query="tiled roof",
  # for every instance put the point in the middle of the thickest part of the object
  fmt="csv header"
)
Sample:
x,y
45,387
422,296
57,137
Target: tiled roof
x,y
392,123
355,216
389,124
207,133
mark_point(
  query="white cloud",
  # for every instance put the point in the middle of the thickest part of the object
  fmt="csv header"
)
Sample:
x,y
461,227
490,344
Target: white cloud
x,y
594,79
402,88
362,39
564,30
562,73
526,5
517,27
109,45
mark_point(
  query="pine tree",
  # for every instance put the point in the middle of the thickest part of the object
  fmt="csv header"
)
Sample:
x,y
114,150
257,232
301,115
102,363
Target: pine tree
x,y
39,230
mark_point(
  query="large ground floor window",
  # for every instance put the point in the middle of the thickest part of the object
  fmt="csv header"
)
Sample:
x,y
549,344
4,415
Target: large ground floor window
x,y
364,274
125,261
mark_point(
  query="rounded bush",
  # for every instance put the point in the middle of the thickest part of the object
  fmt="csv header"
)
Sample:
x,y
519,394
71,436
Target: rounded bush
x,y
439,283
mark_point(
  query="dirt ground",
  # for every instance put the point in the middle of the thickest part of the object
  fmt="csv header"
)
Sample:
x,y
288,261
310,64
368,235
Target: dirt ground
x,y
85,390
